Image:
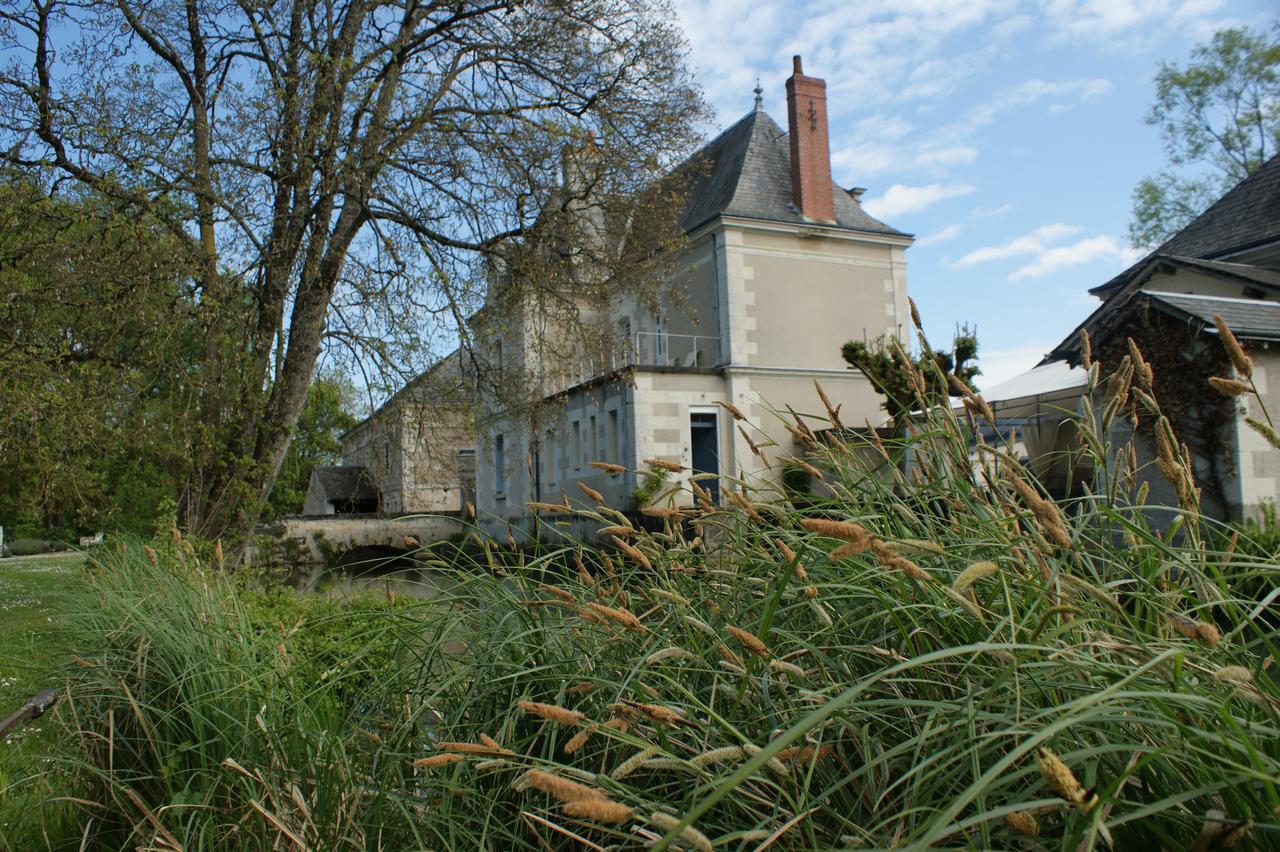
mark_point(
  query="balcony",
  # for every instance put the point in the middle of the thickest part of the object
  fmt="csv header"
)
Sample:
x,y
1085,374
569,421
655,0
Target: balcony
x,y
660,349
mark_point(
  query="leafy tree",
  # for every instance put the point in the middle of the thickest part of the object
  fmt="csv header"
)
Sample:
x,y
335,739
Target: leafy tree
x,y
317,440
884,362
1220,117
333,173
96,339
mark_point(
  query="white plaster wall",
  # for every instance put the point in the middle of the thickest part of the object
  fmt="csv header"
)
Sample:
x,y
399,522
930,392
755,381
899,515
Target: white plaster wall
x,y
1258,461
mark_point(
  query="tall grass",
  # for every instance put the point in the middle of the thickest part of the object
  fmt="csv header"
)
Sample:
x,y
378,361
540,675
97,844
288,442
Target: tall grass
x,y
932,658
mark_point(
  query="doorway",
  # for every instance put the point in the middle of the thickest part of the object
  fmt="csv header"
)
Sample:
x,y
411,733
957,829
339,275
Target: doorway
x,y
705,448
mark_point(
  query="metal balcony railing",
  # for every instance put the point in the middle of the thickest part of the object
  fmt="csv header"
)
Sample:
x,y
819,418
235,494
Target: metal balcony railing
x,y
662,349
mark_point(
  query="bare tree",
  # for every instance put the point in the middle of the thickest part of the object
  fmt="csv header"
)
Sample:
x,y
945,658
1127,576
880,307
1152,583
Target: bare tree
x,y
331,168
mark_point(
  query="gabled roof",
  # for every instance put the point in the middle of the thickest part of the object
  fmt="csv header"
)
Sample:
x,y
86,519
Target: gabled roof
x,y
1250,319
346,483
746,172
1042,379
1139,273
1248,215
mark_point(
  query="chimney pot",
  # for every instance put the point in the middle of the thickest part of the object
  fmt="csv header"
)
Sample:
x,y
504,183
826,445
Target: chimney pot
x,y
811,186
795,65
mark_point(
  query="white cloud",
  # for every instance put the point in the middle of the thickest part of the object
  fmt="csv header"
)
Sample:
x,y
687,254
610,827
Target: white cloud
x,y
948,233
1034,243
992,212
1110,19
1030,92
1054,259
900,199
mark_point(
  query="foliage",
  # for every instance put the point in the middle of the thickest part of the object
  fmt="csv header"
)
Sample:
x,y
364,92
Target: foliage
x,y
651,482
95,331
1220,116
890,370
317,440
342,177
897,691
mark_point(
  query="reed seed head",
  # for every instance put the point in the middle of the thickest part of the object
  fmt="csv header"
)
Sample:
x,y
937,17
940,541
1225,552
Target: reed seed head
x,y
619,531
732,409
579,739
599,810
624,617
1265,430
1239,360
552,712
749,640
607,467
1230,387
1233,674
663,464
1059,777
972,574
689,834
1203,632
1022,823
436,760
844,530
591,492
559,786
634,552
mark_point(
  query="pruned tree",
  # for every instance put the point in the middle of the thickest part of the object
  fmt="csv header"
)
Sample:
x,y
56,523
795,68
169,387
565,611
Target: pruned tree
x,y
331,171
889,368
1219,117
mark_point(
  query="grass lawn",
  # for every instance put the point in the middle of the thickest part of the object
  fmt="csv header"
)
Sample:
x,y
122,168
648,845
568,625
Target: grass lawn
x,y
33,614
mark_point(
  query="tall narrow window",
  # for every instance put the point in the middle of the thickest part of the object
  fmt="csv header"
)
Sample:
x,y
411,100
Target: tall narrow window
x,y
575,448
499,465
615,454
592,442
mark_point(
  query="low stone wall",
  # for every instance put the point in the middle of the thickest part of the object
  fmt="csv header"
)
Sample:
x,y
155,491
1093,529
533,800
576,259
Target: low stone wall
x,y
323,539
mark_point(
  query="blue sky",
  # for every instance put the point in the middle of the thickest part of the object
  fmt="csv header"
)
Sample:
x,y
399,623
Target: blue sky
x,y
1006,135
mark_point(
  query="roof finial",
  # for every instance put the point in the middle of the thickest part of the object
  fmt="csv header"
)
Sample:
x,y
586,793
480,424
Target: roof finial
x,y
759,96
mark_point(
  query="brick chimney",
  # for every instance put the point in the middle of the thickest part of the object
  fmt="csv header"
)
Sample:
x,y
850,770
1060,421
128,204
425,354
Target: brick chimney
x,y
810,149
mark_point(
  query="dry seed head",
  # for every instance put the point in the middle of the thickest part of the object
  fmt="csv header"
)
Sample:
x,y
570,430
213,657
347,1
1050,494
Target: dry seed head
x,y
599,810
672,653
1265,430
579,739
631,764
1022,823
550,508
663,464
562,594
805,753
915,314
617,724
1239,360
689,834
833,412
749,640
1233,674
558,786
719,755
732,409
581,688
591,492
619,531
1230,387
471,748
972,574
1086,350
607,467
656,712
810,592
621,616
494,744
552,712
849,532
784,666
889,559
820,611
665,513
849,548
436,760
806,467
1059,777
907,546
1202,632
634,552
1141,368
151,555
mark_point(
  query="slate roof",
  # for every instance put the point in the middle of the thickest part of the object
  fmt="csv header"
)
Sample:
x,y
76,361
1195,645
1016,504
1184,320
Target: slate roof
x,y
1250,319
346,483
746,172
1260,275
1248,215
